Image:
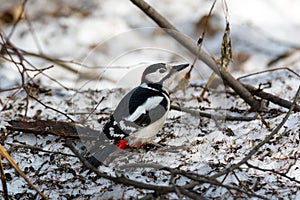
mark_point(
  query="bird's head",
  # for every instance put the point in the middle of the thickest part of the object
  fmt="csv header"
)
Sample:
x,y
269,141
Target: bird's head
x,y
161,73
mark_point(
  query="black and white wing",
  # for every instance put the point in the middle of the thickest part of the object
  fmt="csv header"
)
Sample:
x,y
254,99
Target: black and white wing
x,y
139,108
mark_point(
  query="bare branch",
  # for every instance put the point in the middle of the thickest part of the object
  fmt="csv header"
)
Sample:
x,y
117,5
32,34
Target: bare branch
x,y
122,179
171,30
197,113
269,70
3,180
4,153
273,98
259,145
18,19
49,107
272,171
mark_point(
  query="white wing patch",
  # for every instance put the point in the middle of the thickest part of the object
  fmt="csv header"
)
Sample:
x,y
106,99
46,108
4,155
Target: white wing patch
x,y
113,134
148,105
124,127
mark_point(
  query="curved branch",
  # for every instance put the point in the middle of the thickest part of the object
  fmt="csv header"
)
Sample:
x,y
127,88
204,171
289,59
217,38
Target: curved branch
x,y
122,179
259,145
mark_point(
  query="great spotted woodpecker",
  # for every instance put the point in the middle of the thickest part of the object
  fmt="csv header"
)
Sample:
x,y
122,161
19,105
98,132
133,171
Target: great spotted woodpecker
x,y
140,114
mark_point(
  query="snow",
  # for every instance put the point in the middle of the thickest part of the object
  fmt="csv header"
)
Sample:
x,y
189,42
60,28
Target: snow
x,y
110,43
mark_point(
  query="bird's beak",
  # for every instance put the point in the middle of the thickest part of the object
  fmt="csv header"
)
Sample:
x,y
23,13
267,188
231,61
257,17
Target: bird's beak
x,y
178,68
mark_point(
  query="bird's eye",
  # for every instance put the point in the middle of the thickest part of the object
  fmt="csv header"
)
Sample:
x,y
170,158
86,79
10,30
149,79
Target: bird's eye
x,y
162,71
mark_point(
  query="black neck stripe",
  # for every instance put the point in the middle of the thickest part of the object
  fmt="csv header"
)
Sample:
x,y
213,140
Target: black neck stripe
x,y
157,87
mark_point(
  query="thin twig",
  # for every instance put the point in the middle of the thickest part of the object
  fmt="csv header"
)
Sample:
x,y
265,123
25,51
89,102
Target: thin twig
x,y
33,33
228,187
122,179
93,110
4,153
49,107
53,60
197,113
3,180
190,175
125,181
63,64
59,61
272,171
259,145
203,34
18,19
16,146
269,70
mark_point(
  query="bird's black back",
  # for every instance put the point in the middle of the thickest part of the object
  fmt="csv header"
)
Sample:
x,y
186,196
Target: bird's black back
x,y
114,128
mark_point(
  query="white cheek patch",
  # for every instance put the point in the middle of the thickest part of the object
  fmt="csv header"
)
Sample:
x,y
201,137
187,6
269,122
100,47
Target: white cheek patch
x,y
153,77
156,77
150,104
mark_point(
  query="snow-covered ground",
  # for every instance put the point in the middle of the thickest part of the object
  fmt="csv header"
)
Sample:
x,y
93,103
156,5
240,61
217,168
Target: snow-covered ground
x,y
110,43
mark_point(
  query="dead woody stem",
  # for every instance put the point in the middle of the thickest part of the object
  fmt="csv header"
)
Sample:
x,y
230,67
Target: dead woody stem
x,y
187,43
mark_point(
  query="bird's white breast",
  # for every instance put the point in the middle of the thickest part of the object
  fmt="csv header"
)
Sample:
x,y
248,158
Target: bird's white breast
x,y
146,134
